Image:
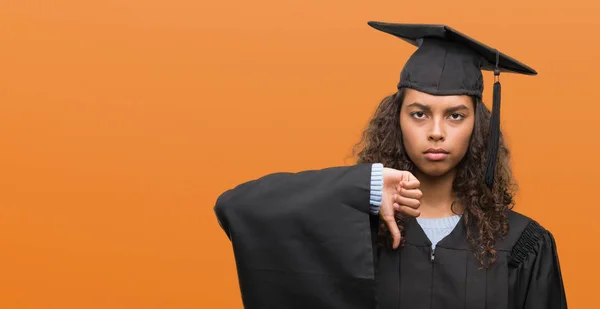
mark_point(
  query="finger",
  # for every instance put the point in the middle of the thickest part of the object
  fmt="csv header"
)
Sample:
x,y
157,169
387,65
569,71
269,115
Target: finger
x,y
410,184
406,176
393,228
410,202
409,211
410,180
410,193
400,184
412,177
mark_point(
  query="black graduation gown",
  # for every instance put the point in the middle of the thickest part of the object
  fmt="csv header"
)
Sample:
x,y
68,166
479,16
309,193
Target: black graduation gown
x,y
307,240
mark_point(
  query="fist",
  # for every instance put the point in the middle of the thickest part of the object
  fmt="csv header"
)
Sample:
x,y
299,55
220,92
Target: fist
x,y
400,194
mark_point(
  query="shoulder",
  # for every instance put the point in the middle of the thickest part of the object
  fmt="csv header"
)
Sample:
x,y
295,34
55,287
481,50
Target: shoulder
x,y
520,224
525,237
521,230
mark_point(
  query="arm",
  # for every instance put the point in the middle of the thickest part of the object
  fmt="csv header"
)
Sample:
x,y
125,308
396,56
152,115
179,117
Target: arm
x,y
349,184
303,240
539,279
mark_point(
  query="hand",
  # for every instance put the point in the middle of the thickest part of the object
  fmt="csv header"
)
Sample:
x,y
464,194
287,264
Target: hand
x,y
400,194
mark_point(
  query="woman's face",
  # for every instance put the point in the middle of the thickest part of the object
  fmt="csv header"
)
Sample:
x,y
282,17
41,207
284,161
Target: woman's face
x,y
436,130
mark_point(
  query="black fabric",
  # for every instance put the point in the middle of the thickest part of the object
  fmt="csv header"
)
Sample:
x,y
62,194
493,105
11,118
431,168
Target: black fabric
x,y
441,67
302,240
494,140
306,240
526,243
486,56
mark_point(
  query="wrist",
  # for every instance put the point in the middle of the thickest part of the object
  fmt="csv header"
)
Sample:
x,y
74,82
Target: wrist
x,y
376,188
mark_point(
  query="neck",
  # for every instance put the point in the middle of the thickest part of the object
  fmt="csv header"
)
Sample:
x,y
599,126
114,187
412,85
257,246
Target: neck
x,y
438,195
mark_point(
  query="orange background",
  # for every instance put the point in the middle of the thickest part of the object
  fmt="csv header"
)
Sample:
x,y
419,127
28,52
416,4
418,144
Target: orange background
x,y
122,121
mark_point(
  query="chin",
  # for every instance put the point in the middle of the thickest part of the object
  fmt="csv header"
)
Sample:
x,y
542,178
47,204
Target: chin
x,y
434,169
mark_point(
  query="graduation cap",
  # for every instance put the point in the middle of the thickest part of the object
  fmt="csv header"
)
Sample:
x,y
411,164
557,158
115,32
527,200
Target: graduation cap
x,y
448,62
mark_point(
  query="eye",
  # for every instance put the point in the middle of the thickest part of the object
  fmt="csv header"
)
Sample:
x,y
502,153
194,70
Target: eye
x,y
417,115
457,116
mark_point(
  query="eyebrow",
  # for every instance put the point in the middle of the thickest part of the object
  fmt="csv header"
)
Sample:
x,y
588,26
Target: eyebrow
x,y
428,108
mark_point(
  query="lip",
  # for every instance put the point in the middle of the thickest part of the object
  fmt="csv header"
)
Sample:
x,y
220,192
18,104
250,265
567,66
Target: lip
x,y
436,150
436,154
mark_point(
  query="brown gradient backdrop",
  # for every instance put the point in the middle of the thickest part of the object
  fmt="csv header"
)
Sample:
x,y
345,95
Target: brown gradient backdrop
x,y
122,121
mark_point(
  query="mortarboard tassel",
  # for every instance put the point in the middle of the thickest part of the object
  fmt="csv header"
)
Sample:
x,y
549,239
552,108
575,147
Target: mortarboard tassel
x,y
494,129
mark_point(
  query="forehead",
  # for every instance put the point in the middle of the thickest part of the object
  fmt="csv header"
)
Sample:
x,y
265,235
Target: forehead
x,y
443,101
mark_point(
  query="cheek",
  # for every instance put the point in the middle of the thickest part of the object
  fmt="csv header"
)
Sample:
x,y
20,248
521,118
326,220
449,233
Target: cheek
x,y
406,134
462,139
411,137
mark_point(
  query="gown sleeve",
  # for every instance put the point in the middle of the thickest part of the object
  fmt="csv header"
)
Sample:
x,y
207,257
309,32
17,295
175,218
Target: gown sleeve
x,y
539,283
303,240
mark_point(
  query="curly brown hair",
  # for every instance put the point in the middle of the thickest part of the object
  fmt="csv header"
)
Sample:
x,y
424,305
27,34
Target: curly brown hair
x,y
484,214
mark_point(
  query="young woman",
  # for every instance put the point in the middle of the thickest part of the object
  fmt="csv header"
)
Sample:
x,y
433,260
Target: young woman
x,y
423,220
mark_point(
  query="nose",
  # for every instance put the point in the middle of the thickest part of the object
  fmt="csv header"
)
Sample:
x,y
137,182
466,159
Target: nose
x,y
436,133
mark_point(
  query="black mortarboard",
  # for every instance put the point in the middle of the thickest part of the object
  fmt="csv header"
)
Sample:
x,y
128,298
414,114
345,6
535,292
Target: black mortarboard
x,y
448,62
